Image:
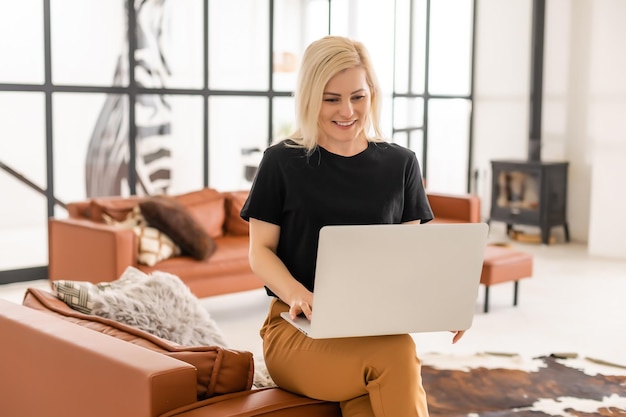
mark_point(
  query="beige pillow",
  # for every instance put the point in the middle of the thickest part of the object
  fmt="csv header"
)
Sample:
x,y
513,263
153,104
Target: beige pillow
x,y
75,294
153,245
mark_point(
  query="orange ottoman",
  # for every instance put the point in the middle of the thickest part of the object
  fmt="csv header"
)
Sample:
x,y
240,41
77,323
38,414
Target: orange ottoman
x,y
502,264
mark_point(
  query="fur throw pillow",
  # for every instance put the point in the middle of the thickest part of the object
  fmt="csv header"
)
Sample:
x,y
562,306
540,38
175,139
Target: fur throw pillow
x,y
158,303
172,218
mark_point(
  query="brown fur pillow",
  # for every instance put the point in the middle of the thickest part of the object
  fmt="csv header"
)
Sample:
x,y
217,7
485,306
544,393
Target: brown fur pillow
x,y
172,218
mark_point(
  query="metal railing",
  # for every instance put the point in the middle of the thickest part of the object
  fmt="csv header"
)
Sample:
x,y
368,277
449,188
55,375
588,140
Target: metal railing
x,y
21,178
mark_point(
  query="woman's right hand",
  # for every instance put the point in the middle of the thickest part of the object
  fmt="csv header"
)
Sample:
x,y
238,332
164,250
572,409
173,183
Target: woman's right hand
x,y
301,304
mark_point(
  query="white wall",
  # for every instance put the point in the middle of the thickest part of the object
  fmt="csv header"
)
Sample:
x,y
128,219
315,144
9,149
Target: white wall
x,y
607,128
584,109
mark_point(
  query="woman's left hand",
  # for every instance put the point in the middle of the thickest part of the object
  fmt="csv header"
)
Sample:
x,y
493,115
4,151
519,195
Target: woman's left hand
x,y
458,334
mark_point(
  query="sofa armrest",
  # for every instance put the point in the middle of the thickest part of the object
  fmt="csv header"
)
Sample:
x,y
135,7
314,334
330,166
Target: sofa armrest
x,y
83,250
53,367
455,208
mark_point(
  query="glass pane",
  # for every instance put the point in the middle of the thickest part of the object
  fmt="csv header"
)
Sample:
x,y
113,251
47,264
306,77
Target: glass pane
x,y
182,44
410,46
236,124
416,144
448,149
186,144
238,59
284,118
154,42
21,28
408,112
401,138
316,20
294,28
355,19
23,223
386,115
418,63
90,152
414,140
153,144
517,189
403,34
88,39
450,47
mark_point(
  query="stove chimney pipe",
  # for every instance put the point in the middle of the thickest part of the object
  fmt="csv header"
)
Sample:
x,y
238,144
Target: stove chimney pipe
x,y
536,79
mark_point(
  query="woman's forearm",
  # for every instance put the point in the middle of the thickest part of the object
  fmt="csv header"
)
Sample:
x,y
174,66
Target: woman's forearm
x,y
267,266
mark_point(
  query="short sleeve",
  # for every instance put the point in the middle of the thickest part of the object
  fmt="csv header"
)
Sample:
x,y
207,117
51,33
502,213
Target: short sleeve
x,y
266,198
416,205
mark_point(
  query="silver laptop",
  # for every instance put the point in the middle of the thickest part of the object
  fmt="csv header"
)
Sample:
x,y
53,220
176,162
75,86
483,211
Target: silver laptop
x,y
393,279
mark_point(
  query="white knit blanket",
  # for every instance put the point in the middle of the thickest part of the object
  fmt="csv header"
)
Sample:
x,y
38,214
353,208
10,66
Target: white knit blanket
x,y
161,304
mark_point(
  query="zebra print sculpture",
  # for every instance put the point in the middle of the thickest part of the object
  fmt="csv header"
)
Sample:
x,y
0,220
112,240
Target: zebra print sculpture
x,y
107,161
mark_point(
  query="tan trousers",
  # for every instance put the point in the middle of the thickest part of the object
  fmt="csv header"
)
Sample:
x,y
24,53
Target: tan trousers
x,y
370,376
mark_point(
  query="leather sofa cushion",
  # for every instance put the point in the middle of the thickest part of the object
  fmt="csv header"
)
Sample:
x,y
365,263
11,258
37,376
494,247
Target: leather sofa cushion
x,y
234,224
259,402
206,206
219,371
226,271
229,259
115,207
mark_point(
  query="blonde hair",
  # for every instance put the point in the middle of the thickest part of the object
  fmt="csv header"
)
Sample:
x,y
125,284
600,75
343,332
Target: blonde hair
x,y
322,60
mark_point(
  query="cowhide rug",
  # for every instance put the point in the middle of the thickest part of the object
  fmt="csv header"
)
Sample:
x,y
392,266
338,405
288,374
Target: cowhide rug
x,y
492,385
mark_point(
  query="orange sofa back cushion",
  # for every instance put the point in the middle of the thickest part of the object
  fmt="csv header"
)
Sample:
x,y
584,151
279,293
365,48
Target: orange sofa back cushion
x,y
206,206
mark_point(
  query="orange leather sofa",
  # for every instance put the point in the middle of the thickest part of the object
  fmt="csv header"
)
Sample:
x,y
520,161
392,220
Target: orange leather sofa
x,y
453,208
83,247
56,361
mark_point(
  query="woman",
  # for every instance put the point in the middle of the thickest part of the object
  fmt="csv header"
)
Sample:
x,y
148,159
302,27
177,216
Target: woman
x,y
335,169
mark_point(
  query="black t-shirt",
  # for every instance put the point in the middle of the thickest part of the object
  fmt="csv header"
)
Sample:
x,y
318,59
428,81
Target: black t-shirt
x,y
302,193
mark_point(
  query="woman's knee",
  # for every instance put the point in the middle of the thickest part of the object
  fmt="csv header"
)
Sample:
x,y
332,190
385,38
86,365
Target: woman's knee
x,y
400,346
396,354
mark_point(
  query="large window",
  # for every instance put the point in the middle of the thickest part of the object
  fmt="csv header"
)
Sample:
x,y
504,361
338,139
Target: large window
x,y
211,82
433,88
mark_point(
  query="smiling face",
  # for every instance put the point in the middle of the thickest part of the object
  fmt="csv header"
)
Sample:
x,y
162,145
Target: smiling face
x,y
345,109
